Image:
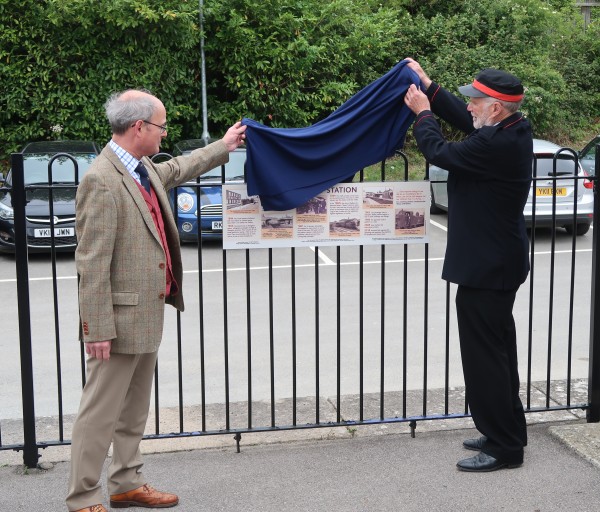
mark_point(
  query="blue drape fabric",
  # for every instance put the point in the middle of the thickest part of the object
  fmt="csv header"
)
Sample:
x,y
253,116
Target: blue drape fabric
x,y
288,166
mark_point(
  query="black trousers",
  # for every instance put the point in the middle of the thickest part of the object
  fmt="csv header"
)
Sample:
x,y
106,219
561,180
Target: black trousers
x,y
488,345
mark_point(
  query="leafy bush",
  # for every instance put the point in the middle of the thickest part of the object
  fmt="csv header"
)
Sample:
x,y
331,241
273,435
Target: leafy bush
x,y
59,61
576,53
284,63
290,63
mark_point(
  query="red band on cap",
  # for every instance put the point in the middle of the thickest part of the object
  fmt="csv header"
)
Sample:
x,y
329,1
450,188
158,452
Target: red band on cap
x,y
495,94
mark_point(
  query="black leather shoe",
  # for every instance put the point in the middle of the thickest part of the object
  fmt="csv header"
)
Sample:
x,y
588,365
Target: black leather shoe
x,y
482,463
475,444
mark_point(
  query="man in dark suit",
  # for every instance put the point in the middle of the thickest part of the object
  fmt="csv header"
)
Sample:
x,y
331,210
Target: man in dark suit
x,y
487,254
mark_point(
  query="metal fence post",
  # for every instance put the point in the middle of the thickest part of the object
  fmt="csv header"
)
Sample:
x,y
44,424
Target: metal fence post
x,y
593,413
30,450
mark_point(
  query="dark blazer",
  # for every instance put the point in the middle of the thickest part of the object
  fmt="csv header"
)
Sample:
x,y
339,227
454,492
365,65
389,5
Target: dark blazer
x,y
489,180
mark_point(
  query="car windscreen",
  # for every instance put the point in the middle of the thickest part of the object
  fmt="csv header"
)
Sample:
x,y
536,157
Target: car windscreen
x,y
588,157
546,165
234,169
63,169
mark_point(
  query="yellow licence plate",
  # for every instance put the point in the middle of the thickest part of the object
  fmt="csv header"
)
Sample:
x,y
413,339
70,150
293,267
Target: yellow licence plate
x,y
547,191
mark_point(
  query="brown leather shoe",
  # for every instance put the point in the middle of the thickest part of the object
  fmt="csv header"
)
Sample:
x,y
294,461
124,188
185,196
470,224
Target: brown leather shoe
x,y
93,508
144,496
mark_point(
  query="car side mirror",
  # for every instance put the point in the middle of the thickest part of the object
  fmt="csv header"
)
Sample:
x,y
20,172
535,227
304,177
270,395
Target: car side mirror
x,y
2,179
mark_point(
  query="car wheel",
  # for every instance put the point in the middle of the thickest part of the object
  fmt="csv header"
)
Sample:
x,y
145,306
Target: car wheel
x,y
433,208
580,230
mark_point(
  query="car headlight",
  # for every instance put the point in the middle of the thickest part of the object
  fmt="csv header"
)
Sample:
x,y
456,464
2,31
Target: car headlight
x,y
6,212
185,202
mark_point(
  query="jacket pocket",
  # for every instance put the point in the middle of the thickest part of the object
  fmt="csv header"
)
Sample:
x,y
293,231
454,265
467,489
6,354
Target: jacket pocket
x,y
125,298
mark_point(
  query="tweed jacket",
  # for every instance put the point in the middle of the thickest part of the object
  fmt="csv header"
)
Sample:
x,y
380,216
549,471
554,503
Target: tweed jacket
x,y
120,259
488,183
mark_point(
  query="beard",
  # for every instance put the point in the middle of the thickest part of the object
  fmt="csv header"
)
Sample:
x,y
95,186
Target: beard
x,y
482,120
484,117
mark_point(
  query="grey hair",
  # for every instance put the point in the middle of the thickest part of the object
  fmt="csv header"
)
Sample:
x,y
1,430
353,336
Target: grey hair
x,y
510,106
122,113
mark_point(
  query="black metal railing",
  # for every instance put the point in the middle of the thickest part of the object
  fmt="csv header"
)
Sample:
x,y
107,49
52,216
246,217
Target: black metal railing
x,y
593,411
282,339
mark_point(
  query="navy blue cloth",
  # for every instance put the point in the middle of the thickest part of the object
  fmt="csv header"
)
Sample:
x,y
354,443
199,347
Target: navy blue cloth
x,y
288,166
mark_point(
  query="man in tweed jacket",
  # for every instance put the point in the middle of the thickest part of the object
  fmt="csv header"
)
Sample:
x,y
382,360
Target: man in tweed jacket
x,y
129,264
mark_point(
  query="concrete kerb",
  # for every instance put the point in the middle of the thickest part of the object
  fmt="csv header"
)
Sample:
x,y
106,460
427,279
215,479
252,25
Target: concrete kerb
x,y
566,425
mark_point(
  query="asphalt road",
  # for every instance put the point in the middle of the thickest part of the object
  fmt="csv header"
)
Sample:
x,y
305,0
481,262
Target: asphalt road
x,y
237,314
383,473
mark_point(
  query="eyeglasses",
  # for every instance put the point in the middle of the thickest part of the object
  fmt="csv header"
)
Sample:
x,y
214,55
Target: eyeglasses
x,y
163,127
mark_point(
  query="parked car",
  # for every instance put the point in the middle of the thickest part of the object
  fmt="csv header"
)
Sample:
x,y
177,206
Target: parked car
x,y
563,174
201,200
36,158
587,156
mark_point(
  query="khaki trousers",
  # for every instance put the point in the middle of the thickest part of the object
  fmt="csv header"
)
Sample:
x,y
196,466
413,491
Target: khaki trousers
x,y
114,408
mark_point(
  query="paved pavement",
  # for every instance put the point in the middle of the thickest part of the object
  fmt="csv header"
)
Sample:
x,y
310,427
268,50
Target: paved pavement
x,y
369,468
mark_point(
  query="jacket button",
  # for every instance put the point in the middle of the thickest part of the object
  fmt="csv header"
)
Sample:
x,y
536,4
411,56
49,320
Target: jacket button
x,y
161,296
161,266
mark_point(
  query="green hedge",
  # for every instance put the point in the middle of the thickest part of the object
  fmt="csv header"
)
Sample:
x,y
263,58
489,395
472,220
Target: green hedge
x,y
282,62
60,60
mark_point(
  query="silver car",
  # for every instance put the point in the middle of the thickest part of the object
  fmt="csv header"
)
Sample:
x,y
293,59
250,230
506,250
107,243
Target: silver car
x,y
554,174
